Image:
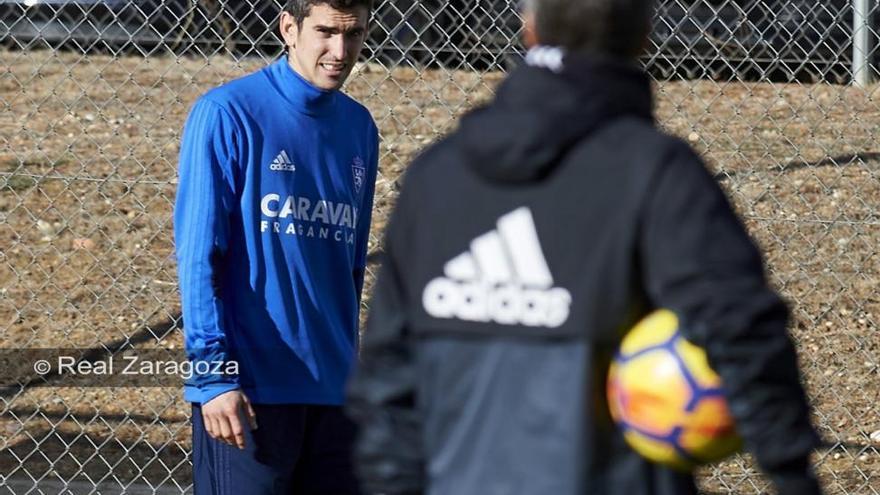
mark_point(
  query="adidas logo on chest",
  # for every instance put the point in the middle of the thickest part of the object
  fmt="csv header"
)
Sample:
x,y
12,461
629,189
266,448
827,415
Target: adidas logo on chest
x,y
282,163
502,278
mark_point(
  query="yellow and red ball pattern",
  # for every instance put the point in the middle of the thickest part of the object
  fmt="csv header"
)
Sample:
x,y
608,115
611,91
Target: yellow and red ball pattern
x,y
667,399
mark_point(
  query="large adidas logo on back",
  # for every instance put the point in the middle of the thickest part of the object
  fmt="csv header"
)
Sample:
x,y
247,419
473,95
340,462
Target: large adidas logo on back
x,y
502,278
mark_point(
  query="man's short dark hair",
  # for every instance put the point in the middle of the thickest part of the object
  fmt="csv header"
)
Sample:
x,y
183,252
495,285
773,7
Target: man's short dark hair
x,y
300,9
614,27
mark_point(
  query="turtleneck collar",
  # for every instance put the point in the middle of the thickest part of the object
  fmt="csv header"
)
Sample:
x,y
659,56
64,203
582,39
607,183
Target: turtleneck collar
x,y
302,95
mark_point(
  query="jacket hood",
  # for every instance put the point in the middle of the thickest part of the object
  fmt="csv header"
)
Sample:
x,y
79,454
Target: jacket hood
x,y
546,106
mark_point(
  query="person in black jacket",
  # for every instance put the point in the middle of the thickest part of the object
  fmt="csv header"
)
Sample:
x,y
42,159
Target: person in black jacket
x,y
522,248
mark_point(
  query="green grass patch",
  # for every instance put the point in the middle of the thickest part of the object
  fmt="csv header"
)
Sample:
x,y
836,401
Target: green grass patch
x,y
17,182
13,176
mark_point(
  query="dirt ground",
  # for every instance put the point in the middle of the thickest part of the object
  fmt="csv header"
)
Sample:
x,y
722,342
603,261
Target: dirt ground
x,y
88,150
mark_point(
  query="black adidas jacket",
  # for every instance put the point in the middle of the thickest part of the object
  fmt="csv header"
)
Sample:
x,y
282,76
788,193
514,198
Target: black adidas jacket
x,y
522,248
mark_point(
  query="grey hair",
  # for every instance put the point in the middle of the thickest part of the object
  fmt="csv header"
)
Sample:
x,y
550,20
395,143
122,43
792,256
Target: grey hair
x,y
612,27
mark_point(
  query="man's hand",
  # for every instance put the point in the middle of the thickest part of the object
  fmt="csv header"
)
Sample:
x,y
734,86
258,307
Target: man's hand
x,y
222,416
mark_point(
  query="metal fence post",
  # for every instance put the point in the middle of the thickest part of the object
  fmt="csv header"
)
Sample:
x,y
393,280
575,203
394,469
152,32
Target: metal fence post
x,y
861,63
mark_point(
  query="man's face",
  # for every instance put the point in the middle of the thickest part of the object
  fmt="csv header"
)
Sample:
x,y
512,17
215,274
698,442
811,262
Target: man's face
x,y
324,50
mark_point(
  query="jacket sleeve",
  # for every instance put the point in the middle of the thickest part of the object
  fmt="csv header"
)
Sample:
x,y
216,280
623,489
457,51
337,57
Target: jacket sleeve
x,y
699,261
382,392
205,197
363,234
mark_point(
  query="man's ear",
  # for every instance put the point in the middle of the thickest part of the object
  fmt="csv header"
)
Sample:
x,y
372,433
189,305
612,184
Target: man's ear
x,y
289,29
530,32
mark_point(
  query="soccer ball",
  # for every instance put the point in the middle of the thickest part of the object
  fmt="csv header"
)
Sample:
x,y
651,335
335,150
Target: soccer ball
x,y
666,399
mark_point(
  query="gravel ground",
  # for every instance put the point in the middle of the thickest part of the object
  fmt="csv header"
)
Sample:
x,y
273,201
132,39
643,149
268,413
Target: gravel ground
x,y
88,151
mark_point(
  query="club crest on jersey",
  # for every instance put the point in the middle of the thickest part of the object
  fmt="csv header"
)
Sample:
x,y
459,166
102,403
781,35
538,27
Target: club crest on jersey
x,y
503,278
358,172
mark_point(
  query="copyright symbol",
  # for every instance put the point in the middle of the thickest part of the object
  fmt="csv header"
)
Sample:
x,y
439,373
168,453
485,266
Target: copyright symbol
x,y
42,367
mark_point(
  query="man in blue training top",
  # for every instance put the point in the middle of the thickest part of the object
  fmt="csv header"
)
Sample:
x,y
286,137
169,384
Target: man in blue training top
x,y
271,223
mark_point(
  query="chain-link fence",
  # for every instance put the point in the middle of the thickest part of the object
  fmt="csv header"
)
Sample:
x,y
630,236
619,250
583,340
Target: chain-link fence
x,y
94,94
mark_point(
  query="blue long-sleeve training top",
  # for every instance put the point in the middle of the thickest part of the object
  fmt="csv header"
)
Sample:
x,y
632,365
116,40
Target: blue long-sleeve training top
x,y
271,224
